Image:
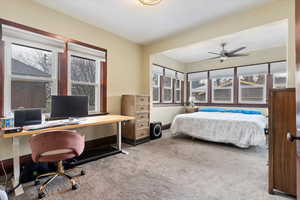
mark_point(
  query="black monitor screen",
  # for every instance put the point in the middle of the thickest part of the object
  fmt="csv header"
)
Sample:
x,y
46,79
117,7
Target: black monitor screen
x,y
69,106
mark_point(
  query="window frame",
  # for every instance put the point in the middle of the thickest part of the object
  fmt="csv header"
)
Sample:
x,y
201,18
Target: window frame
x,y
264,91
97,84
236,90
194,90
231,88
177,89
62,71
156,86
161,102
168,88
9,77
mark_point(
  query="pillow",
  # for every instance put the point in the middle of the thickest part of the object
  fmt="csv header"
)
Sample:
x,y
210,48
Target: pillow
x,y
211,110
249,112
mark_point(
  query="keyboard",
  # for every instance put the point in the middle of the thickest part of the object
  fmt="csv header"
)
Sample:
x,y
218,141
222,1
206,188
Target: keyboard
x,y
50,125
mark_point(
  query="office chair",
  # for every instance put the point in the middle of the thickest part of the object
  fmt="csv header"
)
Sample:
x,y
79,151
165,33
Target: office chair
x,y
56,146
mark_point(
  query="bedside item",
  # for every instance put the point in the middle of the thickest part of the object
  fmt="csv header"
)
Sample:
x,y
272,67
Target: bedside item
x,y
192,101
155,130
282,153
26,117
191,109
138,106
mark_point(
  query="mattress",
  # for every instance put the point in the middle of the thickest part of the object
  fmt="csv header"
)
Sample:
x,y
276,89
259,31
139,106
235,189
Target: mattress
x,y
242,130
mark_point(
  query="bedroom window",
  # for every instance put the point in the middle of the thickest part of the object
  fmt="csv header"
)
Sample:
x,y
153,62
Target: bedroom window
x,y
177,91
279,72
178,87
222,85
252,84
30,70
198,86
84,74
168,85
157,72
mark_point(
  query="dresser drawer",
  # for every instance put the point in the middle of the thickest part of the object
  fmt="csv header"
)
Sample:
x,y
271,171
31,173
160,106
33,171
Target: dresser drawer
x,y
142,100
141,124
142,133
142,108
142,116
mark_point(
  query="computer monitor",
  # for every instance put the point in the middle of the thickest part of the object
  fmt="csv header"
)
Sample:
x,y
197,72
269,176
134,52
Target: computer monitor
x,y
69,106
25,117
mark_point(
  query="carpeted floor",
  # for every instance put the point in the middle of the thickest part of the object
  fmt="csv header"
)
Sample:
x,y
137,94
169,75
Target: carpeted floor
x,y
172,168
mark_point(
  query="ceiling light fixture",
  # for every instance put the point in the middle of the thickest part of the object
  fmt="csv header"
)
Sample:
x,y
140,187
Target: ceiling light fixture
x,y
150,2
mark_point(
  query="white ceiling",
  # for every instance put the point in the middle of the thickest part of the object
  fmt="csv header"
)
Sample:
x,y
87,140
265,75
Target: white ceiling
x,y
258,38
144,24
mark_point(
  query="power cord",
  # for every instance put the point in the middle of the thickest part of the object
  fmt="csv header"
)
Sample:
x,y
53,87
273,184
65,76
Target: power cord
x,y
5,174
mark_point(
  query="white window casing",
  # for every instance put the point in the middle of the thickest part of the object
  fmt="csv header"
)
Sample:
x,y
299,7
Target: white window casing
x,y
8,77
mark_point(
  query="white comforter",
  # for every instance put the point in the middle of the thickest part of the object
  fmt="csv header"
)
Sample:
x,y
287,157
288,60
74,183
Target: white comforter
x,y
242,130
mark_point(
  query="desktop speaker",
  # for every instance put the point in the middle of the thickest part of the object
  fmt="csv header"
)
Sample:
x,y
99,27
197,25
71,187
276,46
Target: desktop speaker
x,y
155,130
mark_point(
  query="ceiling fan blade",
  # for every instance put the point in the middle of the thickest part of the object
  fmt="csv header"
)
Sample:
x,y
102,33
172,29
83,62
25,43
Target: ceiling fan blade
x,y
236,50
214,53
214,58
239,55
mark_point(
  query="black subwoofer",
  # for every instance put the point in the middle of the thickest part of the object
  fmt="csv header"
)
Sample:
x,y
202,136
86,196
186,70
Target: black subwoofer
x,y
155,130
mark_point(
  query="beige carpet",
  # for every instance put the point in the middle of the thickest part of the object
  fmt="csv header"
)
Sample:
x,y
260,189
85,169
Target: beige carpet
x,y
172,168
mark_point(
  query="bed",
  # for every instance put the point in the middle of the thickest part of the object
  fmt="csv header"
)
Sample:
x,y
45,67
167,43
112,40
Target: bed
x,y
242,130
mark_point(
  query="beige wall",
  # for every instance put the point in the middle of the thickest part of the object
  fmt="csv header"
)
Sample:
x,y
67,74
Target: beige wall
x,y
274,11
124,57
165,114
262,56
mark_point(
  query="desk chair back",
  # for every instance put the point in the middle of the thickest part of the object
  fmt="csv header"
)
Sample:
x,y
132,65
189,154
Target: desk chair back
x,y
56,146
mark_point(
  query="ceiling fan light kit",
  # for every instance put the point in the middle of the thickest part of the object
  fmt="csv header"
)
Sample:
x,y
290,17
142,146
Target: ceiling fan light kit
x,y
150,2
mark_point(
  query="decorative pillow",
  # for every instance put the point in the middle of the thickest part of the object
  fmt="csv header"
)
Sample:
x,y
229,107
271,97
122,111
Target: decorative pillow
x,y
249,112
211,110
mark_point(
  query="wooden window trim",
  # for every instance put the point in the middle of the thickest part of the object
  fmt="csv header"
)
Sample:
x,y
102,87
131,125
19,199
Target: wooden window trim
x,y
62,64
269,86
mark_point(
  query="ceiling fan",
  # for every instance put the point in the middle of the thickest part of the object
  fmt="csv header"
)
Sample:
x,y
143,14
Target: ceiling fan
x,y
224,54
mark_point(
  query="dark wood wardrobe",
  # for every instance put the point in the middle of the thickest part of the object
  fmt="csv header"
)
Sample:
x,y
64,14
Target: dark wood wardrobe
x,y
282,152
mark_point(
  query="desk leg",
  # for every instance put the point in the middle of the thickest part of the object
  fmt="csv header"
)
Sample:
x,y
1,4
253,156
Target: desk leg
x,y
119,138
16,153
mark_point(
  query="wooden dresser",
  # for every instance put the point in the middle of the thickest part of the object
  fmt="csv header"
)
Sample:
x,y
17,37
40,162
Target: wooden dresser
x,y
136,131
282,153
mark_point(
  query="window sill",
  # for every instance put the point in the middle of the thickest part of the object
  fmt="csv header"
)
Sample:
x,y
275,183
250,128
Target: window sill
x,y
167,105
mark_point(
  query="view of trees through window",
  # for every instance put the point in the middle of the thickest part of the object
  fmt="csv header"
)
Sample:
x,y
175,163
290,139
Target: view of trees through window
x,y
27,92
83,77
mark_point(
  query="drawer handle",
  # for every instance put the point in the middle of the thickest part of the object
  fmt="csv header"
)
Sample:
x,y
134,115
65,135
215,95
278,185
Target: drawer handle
x,y
142,117
142,108
142,99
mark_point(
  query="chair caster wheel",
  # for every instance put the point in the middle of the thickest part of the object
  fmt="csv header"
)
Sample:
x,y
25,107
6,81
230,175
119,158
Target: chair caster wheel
x,y
75,187
37,182
41,195
82,173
